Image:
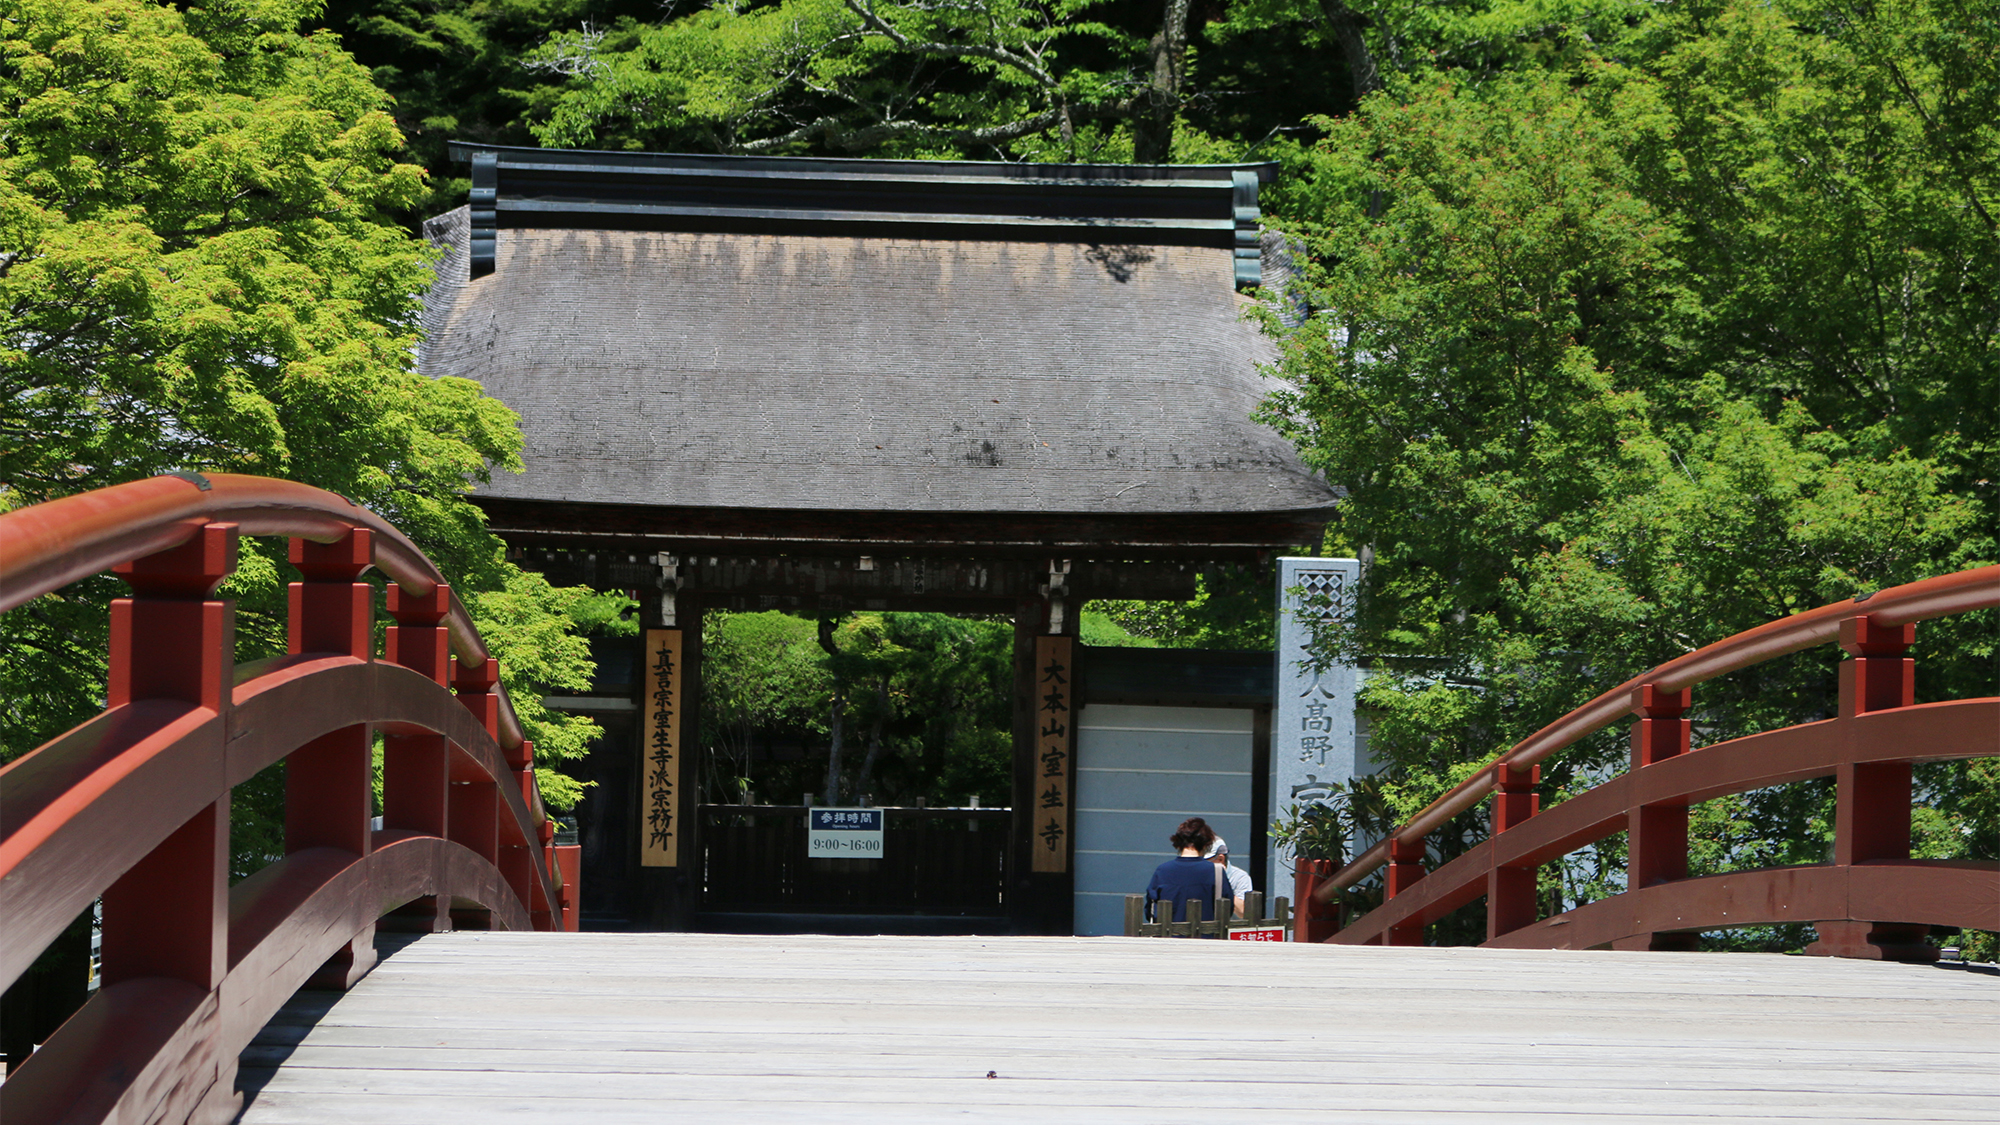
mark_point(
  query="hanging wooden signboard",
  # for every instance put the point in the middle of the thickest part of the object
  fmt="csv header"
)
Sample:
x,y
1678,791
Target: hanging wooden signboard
x,y
1054,700
661,764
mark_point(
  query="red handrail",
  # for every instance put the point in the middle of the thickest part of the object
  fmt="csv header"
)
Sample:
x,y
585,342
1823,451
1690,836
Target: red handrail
x,y
1896,606
133,805
48,546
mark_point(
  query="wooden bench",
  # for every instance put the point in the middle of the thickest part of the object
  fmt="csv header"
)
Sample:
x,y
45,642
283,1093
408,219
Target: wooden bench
x,y
1223,925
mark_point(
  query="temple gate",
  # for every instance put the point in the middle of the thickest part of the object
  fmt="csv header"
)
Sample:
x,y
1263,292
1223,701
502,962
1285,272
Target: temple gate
x,y
819,385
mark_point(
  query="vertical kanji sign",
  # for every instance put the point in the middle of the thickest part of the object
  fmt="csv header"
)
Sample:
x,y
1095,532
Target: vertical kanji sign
x,y
1313,747
1054,701
660,761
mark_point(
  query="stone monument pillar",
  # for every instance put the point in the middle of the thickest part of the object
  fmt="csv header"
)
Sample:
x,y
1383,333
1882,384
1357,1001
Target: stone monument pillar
x,y
1312,725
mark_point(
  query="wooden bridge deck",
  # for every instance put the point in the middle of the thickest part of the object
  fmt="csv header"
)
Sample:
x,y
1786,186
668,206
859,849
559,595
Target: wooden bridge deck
x,y
606,1028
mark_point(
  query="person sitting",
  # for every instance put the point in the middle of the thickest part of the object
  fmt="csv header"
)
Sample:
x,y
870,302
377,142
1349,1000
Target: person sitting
x,y
1239,879
1187,877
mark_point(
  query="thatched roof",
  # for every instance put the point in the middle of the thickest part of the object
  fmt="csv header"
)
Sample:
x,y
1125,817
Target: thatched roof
x,y
798,366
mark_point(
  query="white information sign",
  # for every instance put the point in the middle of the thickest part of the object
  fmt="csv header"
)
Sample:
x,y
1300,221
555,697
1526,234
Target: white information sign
x,y
1312,727
844,833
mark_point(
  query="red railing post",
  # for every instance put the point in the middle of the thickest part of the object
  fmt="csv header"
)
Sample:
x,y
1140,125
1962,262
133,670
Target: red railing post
x,y
474,815
1872,818
1656,835
1872,799
168,915
419,640
328,790
1510,891
569,861
474,686
416,768
1406,866
1312,920
474,821
517,861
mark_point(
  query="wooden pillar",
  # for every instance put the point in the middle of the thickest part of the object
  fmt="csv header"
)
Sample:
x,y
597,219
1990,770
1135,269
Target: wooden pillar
x,y
1406,867
473,815
608,816
416,768
1872,818
168,916
1510,891
1055,755
669,712
1313,921
1044,881
1872,802
1656,835
1023,907
1260,792
329,781
517,861
569,864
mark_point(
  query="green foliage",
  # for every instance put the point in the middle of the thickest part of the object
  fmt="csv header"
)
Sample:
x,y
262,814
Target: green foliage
x,y
198,271
532,628
1231,609
1101,630
856,75
1073,80
931,692
456,69
1631,329
763,678
1362,809
997,79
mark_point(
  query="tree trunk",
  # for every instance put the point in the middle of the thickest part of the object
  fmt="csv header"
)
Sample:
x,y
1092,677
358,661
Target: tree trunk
x,y
1153,114
1346,25
834,724
874,739
837,713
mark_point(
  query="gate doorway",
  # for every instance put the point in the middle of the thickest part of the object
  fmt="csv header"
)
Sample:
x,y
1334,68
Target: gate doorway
x,y
907,713
942,871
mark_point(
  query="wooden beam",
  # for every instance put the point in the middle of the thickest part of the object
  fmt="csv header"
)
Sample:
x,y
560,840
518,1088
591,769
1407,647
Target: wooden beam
x,y
824,583
1180,536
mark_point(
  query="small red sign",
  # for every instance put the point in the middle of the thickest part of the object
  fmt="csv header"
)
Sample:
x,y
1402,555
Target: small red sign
x,y
1260,933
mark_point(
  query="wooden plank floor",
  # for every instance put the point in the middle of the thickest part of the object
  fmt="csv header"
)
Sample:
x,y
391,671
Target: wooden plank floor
x,y
603,1028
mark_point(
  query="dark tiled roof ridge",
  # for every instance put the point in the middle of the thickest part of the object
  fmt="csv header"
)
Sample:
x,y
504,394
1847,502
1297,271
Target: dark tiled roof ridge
x,y
867,167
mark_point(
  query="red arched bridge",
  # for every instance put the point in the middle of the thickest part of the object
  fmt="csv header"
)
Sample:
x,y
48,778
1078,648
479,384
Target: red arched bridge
x,y
1872,900
132,808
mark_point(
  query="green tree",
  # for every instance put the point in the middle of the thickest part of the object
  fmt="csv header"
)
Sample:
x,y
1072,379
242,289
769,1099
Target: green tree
x,y
456,70
198,271
763,677
1627,337
1093,80
928,694
1233,608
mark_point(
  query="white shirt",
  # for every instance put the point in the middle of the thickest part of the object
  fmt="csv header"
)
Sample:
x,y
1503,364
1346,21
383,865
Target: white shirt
x,y
1239,881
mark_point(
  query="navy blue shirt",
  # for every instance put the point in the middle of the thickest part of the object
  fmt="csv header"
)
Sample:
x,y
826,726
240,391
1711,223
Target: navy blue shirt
x,y
1180,879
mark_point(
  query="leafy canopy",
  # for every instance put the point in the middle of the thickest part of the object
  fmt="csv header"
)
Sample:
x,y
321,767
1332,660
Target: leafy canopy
x,y
930,692
1632,328
198,272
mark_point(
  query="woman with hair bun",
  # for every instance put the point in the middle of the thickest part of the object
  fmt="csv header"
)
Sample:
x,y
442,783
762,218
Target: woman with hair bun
x,y
1188,877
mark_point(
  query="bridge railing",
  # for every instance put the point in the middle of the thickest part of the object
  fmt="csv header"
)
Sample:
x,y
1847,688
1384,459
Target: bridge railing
x,y
132,807
1872,901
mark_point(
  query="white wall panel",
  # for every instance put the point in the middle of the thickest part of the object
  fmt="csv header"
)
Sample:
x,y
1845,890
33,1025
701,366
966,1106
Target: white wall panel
x,y
1140,771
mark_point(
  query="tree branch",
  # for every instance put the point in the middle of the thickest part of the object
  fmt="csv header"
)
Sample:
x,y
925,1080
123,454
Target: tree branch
x,y
835,134
950,50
